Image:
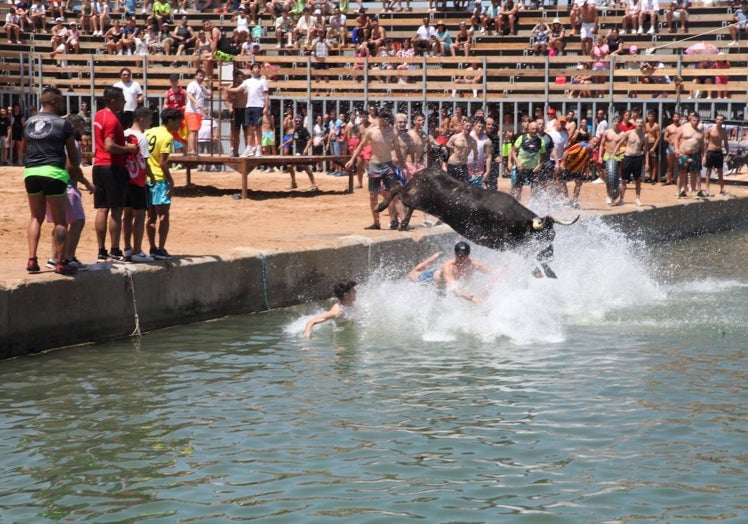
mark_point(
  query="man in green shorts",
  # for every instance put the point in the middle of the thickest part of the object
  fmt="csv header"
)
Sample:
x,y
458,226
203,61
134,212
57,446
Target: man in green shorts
x,y
50,144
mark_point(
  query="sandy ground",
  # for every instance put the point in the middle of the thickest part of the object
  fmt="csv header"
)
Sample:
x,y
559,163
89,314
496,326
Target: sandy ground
x,y
207,219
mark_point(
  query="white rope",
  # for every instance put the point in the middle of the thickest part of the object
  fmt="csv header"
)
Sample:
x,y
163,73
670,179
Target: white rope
x,y
651,50
131,288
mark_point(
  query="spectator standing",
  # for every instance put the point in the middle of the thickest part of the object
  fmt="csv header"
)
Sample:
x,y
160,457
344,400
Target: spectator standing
x,y
176,96
574,165
85,139
50,144
302,142
671,132
195,109
133,96
17,124
160,146
635,158
258,97
136,201
237,103
717,144
652,146
588,18
526,152
4,136
110,176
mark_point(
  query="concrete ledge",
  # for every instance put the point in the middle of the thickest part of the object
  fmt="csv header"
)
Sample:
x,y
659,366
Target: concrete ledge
x,y
94,306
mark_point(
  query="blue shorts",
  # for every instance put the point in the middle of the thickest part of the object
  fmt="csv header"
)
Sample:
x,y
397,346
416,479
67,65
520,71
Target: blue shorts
x,y
427,277
157,194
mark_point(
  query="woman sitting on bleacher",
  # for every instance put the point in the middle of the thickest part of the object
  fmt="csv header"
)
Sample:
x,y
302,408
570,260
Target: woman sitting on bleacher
x,y
556,38
406,51
600,52
86,19
540,38
462,41
630,19
444,40
101,17
113,38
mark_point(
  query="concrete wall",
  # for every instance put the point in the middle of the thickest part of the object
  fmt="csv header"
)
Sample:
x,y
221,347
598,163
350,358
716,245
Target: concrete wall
x,y
52,311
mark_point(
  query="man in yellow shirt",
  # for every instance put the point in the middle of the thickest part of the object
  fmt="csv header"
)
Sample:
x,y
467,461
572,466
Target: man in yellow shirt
x,y
160,146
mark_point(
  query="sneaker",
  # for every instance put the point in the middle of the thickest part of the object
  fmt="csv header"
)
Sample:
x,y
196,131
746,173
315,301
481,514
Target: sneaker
x,y
128,252
598,181
116,255
51,263
32,266
160,254
77,264
639,31
103,256
608,201
733,43
258,152
651,30
375,225
638,202
700,194
249,151
292,186
64,268
313,188
141,257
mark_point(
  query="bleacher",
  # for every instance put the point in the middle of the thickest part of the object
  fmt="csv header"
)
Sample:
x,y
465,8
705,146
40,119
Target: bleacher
x,y
509,70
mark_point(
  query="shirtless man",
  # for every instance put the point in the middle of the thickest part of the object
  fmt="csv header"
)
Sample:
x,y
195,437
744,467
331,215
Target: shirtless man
x,y
461,145
268,133
382,178
609,150
652,132
405,145
345,292
479,164
689,143
288,129
421,142
455,122
669,137
634,158
446,276
588,18
716,143
473,74
237,103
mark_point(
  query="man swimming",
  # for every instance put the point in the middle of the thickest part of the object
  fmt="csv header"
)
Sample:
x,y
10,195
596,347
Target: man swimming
x,y
345,292
446,276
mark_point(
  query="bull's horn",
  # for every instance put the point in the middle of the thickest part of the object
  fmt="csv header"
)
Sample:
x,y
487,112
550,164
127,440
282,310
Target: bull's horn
x,y
537,223
566,222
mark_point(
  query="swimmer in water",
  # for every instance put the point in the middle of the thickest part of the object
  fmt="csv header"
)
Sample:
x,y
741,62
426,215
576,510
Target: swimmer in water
x,y
345,292
447,275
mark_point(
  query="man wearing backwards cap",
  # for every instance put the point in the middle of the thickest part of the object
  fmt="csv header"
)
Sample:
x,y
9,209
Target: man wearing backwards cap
x,y
446,276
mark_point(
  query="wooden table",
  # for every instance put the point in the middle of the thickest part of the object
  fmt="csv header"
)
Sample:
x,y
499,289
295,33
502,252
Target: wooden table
x,y
244,165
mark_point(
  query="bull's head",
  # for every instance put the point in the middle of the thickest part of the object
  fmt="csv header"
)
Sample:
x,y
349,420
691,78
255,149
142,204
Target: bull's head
x,y
543,227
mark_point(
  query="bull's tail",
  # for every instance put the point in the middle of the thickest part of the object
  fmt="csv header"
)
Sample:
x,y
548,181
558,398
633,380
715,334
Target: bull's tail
x,y
393,192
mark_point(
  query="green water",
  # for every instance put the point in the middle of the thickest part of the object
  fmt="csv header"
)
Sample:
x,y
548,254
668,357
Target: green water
x,y
604,397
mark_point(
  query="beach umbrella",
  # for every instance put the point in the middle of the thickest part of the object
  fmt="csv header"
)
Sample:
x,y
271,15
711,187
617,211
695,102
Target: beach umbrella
x,y
701,48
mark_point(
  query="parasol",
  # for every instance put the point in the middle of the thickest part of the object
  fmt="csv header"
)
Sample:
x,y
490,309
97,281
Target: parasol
x,y
701,48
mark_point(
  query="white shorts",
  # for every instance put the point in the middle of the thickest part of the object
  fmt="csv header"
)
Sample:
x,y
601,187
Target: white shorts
x,y
586,31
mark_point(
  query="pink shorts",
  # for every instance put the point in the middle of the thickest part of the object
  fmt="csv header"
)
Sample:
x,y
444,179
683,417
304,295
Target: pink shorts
x,y
74,209
366,153
411,169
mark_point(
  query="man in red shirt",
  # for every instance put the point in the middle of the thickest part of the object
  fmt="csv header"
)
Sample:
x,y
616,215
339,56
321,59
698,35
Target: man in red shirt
x,y
176,96
110,174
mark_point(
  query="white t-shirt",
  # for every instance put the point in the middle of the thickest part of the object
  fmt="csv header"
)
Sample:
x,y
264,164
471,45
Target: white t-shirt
x,y
132,91
255,89
205,134
425,33
560,140
199,92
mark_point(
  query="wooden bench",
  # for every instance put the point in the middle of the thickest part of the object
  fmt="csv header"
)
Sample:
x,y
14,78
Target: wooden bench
x,y
245,165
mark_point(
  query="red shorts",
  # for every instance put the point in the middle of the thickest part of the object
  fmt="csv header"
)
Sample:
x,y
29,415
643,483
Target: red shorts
x,y
194,121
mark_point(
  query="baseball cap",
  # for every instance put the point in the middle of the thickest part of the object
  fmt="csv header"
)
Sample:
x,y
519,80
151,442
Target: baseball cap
x,y
462,248
317,12
561,118
59,19
551,111
633,49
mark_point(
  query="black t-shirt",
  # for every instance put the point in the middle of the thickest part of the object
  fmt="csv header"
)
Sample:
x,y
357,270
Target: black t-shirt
x,y
46,135
301,138
4,125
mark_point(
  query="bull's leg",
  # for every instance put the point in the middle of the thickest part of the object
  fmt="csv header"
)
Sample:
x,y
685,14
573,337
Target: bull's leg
x,y
547,270
405,222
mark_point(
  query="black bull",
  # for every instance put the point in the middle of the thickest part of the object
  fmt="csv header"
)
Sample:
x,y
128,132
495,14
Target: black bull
x,y
488,218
